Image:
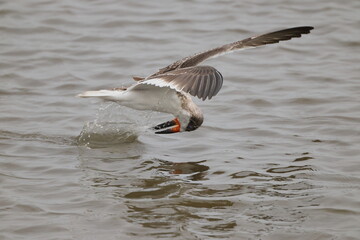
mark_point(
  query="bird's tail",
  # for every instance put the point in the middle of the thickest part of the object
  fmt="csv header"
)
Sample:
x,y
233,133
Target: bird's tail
x,y
110,95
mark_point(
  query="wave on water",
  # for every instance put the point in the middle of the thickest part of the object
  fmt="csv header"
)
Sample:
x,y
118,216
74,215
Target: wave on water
x,y
54,139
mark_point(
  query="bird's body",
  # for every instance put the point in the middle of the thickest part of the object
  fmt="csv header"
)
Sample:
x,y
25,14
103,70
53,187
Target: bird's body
x,y
169,90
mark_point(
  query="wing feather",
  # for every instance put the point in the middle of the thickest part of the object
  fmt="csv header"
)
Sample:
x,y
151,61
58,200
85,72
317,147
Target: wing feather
x,y
213,86
218,83
198,81
207,87
195,87
201,88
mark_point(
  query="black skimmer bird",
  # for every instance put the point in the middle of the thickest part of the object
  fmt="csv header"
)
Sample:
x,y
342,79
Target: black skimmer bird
x,y
169,90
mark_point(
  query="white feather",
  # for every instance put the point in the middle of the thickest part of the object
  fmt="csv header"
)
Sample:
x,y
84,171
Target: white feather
x,y
142,97
159,82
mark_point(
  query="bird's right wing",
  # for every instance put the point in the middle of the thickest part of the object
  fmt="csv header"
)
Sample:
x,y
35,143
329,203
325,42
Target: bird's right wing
x,y
201,81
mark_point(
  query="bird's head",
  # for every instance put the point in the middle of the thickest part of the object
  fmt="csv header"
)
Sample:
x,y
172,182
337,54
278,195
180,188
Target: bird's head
x,y
175,125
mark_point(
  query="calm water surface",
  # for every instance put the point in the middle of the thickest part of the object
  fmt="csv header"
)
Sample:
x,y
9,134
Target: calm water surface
x,y
276,158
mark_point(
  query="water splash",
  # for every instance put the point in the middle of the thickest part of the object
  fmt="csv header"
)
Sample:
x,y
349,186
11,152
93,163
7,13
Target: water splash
x,y
106,133
114,125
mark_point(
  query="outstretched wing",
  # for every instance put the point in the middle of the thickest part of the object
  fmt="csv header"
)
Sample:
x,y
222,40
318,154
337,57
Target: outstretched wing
x,y
201,81
268,38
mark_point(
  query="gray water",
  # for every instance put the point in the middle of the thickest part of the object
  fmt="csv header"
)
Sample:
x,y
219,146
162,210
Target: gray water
x,y
276,158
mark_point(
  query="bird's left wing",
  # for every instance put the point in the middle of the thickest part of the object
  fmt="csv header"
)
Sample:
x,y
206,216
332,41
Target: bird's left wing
x,y
200,81
260,40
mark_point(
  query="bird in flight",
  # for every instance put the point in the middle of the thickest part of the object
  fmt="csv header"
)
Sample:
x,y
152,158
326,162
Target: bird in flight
x,y
170,89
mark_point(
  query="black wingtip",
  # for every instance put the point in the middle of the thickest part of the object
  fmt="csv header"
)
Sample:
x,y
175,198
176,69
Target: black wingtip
x,y
304,29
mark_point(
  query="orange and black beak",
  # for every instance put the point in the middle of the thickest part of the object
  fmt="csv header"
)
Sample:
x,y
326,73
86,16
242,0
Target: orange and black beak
x,y
172,126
